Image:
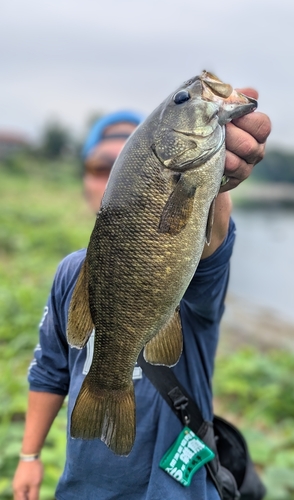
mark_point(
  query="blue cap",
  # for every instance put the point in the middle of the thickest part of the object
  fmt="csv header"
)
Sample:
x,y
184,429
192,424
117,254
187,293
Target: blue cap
x,y
96,133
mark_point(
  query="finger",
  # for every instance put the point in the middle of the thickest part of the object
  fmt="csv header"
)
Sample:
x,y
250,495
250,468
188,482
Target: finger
x,y
237,167
34,493
256,124
249,91
236,171
20,494
243,144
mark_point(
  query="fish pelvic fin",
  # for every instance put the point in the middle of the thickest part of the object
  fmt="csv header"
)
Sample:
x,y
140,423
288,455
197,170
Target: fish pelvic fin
x,y
104,414
80,324
166,347
178,208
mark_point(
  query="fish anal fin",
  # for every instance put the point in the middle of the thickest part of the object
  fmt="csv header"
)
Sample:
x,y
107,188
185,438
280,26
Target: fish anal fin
x,y
210,223
105,414
166,347
80,324
178,208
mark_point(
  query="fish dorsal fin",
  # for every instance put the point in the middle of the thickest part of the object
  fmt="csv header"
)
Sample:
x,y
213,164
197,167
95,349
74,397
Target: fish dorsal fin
x,y
178,208
166,347
80,324
210,222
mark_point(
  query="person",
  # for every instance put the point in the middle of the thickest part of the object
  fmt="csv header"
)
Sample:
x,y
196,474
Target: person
x,y
92,471
103,144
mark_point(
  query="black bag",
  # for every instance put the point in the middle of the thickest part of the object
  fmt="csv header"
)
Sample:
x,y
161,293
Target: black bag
x,y
232,470
234,456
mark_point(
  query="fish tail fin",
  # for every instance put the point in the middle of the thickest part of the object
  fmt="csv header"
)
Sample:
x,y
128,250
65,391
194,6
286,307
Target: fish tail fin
x,y
107,415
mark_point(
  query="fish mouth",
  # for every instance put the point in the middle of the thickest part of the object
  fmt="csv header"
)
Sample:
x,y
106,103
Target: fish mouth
x,y
211,84
235,98
250,99
214,90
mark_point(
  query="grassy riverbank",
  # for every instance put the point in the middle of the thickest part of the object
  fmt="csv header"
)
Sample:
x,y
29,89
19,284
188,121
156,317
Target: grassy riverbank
x,y
42,218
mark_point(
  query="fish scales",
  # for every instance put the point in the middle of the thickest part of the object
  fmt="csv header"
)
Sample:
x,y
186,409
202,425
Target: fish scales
x,y
144,249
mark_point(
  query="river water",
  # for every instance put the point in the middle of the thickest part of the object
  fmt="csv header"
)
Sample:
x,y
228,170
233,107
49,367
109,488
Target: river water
x,y
262,269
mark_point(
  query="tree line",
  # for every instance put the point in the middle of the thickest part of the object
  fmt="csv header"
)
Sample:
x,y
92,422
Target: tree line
x,y
277,166
57,142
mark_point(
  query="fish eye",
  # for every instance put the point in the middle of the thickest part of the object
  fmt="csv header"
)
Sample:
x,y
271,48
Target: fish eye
x,y
181,96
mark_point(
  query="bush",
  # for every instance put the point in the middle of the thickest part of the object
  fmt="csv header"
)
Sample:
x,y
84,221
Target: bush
x,y
256,390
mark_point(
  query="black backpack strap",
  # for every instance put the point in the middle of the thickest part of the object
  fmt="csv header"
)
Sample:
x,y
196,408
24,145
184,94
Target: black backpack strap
x,y
167,384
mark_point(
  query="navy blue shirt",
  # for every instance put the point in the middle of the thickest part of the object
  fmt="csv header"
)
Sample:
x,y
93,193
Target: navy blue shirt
x,y
92,471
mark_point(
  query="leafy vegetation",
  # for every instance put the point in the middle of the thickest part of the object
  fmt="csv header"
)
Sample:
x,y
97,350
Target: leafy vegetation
x,y
43,218
255,390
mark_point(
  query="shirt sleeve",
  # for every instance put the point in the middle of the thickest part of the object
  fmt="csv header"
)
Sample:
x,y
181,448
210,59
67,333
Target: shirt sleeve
x,y
49,370
206,292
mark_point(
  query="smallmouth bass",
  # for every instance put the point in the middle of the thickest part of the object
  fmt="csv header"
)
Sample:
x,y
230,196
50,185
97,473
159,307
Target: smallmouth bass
x,y
154,219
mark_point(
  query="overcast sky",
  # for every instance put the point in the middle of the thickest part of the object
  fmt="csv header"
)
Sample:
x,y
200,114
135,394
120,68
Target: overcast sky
x,y
65,59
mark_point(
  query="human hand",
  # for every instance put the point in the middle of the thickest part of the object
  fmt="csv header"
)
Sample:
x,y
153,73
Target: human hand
x,y
245,144
27,480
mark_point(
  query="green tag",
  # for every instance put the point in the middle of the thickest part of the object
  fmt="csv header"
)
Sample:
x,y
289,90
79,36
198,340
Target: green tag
x,y
185,456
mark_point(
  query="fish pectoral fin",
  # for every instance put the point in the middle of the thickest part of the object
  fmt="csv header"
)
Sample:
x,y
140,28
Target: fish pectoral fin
x,y
209,224
105,414
80,324
166,347
178,208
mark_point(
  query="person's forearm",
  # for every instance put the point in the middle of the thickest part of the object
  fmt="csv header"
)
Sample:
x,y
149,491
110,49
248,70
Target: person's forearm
x,y
42,410
223,208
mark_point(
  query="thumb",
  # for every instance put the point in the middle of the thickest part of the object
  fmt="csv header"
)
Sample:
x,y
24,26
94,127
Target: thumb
x,y
249,91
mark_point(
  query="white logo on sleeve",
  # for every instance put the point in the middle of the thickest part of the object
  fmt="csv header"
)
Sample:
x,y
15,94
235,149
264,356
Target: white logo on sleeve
x,y
46,309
